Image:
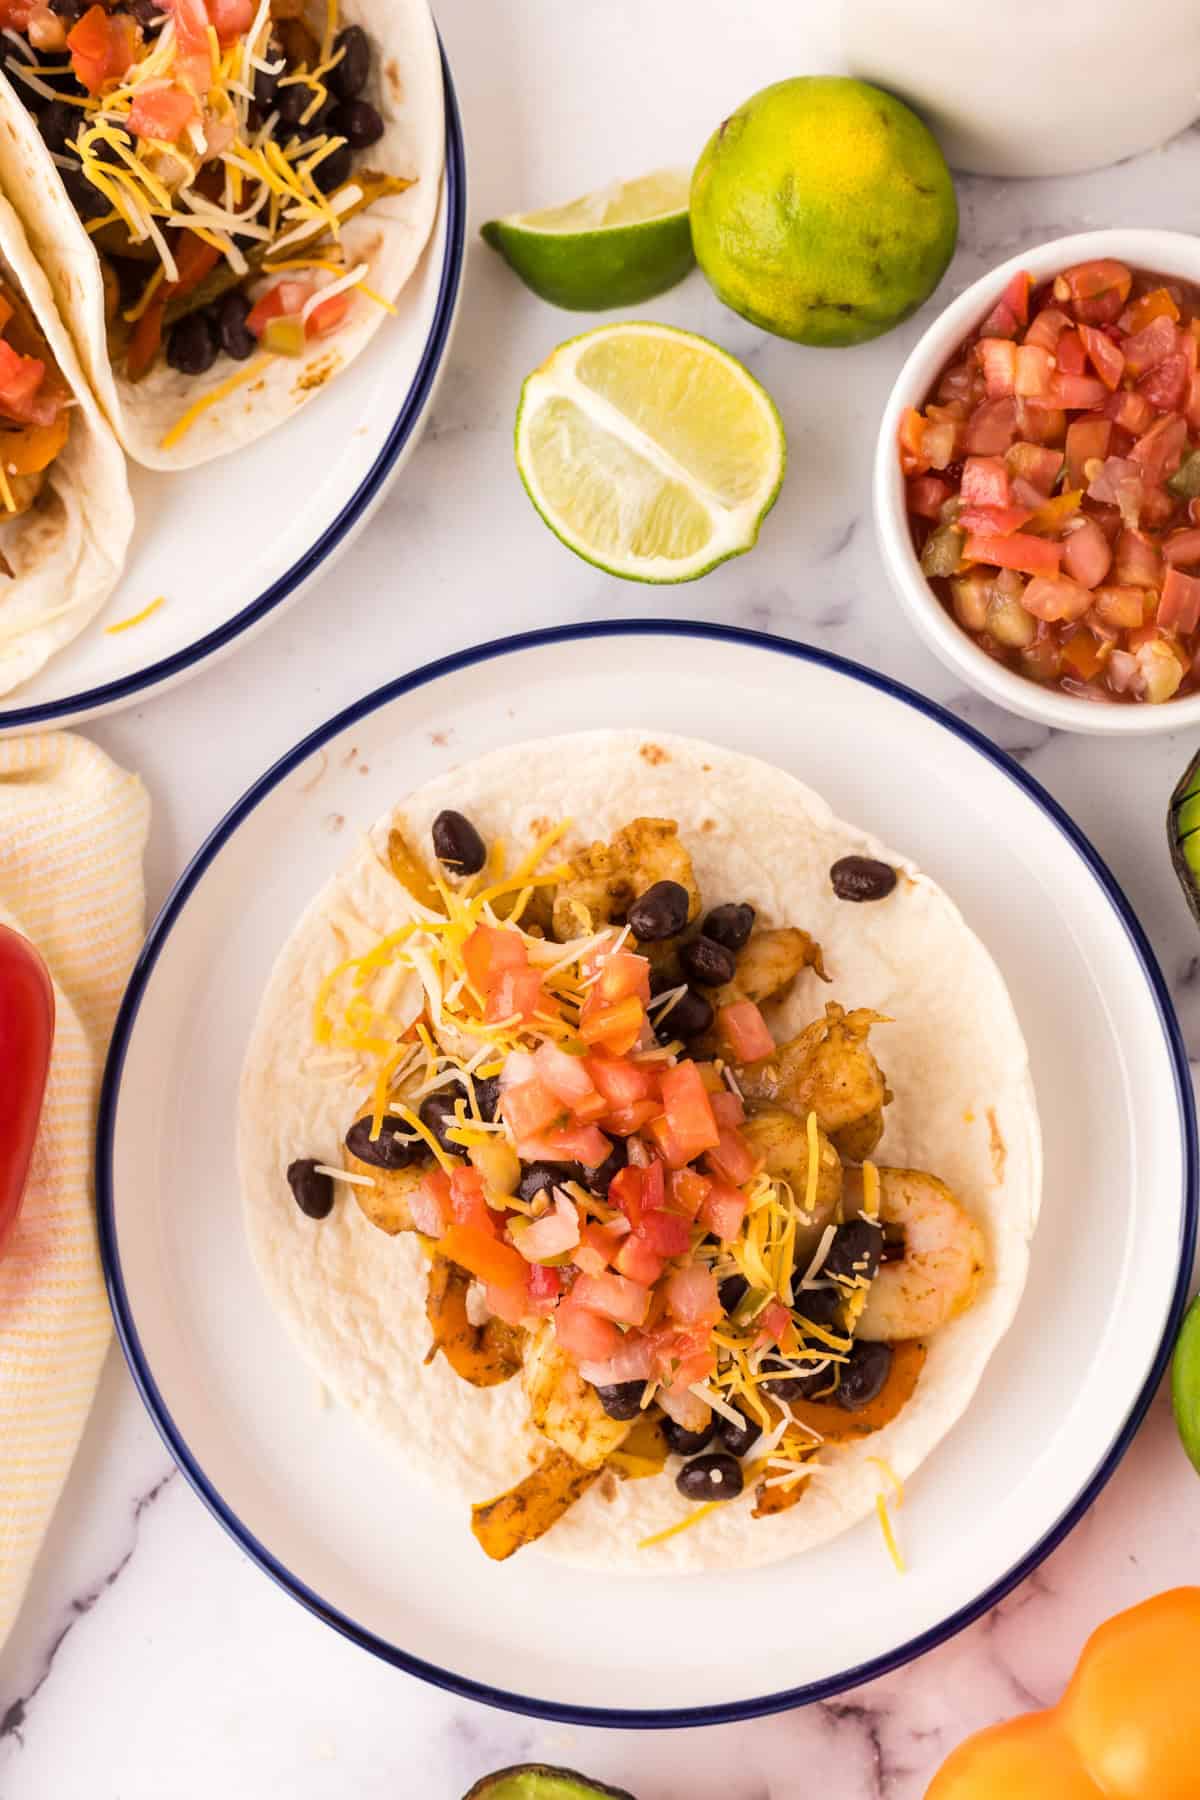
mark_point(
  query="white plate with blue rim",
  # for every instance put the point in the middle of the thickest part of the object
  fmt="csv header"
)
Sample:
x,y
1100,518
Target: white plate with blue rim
x,y
283,508
1060,1399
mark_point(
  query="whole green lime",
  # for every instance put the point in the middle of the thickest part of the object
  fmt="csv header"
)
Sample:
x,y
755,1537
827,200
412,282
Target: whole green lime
x,y
823,210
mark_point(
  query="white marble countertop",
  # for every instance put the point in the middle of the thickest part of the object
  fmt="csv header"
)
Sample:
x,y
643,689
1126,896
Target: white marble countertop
x,y
152,1660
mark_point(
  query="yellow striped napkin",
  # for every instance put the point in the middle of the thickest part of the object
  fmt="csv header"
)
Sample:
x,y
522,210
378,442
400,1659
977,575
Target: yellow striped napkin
x,y
72,831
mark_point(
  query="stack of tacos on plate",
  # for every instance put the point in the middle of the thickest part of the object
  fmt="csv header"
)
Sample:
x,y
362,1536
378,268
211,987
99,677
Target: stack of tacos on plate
x,y
649,1157
65,511
226,196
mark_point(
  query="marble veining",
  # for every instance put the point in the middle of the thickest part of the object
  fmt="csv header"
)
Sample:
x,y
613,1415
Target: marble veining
x,y
152,1660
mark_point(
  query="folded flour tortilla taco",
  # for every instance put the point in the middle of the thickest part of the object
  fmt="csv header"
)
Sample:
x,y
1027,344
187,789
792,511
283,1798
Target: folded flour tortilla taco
x,y
650,1158
65,510
227,196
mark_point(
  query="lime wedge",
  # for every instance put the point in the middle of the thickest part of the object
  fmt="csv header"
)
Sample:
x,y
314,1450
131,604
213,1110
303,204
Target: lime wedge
x,y
616,247
649,451
1185,1384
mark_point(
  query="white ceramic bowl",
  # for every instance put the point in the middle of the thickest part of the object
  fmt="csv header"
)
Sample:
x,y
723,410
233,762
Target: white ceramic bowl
x,y
1162,252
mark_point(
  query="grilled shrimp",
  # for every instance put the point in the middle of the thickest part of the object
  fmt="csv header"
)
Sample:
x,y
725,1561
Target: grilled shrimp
x,y
606,879
564,1406
943,1256
781,1139
386,1201
829,1070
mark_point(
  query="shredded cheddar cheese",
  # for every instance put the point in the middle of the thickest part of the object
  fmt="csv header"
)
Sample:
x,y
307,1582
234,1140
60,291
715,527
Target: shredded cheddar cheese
x,y
660,1537
222,391
136,618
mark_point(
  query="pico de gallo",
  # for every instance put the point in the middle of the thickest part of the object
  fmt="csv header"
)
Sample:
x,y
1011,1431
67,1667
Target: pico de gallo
x,y
35,405
1053,483
213,152
629,1191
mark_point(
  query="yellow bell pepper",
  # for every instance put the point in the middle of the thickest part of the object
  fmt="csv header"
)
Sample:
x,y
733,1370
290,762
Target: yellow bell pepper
x,y
1127,1728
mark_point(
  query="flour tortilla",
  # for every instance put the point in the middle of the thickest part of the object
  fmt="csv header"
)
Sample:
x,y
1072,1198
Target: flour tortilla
x,y
954,1057
406,88
63,557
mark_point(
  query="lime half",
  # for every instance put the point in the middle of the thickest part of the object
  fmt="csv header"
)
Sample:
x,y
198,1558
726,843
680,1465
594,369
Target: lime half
x,y
1185,1383
616,247
649,451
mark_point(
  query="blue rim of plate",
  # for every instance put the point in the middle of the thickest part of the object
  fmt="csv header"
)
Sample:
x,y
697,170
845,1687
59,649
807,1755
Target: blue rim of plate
x,y
95,700
618,1718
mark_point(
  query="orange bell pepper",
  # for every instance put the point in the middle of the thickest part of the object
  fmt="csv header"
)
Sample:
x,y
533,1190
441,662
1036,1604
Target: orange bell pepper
x,y
1127,1728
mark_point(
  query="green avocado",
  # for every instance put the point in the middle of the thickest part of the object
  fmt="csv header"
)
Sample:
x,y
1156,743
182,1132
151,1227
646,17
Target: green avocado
x,y
1183,834
537,1781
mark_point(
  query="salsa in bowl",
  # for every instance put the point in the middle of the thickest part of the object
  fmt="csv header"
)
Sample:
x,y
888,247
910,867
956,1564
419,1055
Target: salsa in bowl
x,y
1038,482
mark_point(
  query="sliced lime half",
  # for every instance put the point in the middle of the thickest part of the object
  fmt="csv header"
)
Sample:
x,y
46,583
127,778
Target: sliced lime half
x,y
616,247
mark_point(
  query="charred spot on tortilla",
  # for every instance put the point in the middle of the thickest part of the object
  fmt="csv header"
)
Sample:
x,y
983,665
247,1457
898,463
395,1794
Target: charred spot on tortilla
x,y
653,754
317,374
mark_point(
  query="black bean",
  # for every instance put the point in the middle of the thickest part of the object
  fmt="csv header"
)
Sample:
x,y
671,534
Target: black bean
x,y
540,1177
809,1386
863,1375
266,81
358,122
192,344
72,9
820,1306
715,1477
487,1096
331,173
147,13
732,1291
292,102
855,1252
737,1439
623,1399
348,77
597,1180
436,1111
456,843
659,913
686,1443
862,878
87,200
313,1192
730,924
229,317
59,124
687,1018
387,1151
707,962
893,1248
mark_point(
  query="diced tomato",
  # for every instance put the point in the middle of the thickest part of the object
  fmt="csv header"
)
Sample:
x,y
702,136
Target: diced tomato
x,y
1035,464
161,113
1105,357
622,975
927,494
1154,305
481,1253
1069,355
913,460
1121,607
567,1077
584,1334
20,379
941,443
614,1296
998,360
1157,507
672,1149
430,1204
512,1304
1039,421
1047,327
689,1111
516,994
621,1082
1001,322
1138,563
1034,371
1119,483
654,1186
775,1321
230,19
544,1283
1166,385
688,1190
984,482
102,47
1087,554
1055,597
666,1233
529,1107
468,1203
1031,555
1087,441
1097,290
1179,608
728,1108
1159,451
733,1159
1183,546
1002,520
692,1295
1145,349
722,1210
1016,295
624,1121
1130,410
617,1028
685,1355
327,315
1077,391
193,51
489,951
1081,654
991,428
637,1259
595,1250
565,1143
745,1032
